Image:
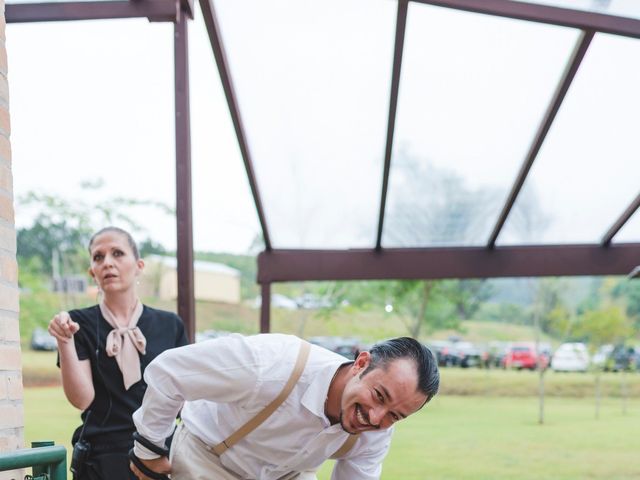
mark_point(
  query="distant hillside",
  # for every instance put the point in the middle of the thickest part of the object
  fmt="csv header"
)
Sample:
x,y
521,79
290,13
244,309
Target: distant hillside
x,y
519,291
482,332
369,326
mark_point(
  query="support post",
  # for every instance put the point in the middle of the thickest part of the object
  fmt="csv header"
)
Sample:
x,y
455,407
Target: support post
x,y
265,308
184,222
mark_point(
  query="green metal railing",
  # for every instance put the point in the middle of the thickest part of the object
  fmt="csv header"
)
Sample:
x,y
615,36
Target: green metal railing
x,y
48,462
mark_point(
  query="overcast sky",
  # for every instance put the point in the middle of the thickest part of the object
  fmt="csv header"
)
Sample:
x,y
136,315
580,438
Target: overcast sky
x,y
94,100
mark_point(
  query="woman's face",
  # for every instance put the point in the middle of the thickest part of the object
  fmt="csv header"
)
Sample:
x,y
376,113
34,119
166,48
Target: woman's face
x,y
113,263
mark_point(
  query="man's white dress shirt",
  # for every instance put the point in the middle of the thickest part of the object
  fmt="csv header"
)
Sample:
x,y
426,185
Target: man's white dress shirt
x,y
226,381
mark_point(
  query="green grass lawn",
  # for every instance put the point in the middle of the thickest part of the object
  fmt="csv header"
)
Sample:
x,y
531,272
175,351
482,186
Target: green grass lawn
x,y
479,438
462,437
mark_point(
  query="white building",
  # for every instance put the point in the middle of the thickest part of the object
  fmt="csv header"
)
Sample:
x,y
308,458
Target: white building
x,y
214,282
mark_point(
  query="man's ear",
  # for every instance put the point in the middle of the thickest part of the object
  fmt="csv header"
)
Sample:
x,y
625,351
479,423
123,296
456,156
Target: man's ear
x,y
91,274
140,265
362,361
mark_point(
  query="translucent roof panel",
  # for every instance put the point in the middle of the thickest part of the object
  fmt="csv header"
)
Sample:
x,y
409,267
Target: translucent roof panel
x,y
224,214
312,81
587,171
93,102
473,91
630,232
621,8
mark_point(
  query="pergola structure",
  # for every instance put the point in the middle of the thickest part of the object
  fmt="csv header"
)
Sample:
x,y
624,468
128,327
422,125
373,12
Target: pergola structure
x,y
380,255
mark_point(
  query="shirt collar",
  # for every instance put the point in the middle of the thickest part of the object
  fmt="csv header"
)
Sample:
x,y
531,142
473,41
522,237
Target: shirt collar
x,y
314,397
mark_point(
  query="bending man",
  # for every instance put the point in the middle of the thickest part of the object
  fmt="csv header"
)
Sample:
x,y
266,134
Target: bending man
x,y
225,383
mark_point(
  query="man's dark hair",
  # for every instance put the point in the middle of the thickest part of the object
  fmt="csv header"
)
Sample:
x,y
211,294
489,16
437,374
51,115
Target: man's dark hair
x,y
383,353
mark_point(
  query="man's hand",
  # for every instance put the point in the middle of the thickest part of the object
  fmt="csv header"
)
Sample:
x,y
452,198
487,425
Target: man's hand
x,y
159,465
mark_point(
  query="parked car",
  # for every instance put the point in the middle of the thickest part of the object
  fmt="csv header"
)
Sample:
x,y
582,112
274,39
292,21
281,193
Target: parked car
x,y
42,340
345,346
623,357
466,354
601,356
496,351
523,355
570,357
442,350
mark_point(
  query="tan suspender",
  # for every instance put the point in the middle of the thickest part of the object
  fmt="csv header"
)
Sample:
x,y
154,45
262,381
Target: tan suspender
x,y
255,422
346,446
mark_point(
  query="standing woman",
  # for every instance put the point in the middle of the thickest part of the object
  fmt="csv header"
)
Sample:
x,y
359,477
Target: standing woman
x,y
102,353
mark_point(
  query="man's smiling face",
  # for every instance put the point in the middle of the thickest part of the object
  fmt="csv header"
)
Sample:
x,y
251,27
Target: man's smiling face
x,y
380,397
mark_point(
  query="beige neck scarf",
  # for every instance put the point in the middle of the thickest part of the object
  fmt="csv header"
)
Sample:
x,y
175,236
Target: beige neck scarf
x,y
124,343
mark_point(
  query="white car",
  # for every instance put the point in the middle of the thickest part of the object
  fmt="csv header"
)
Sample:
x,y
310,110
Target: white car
x,y
599,359
570,357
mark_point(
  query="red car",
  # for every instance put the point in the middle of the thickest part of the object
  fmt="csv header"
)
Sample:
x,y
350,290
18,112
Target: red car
x,y
523,355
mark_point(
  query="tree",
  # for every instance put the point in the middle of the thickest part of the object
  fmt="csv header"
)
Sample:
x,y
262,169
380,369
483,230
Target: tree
x,y
549,313
505,312
432,206
629,292
551,306
608,324
468,296
47,236
56,244
62,226
422,304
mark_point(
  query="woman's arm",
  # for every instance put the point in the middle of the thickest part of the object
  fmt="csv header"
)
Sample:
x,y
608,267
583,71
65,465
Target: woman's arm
x,y
77,381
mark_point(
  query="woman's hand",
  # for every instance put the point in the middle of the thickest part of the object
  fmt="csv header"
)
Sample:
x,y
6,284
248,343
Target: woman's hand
x,y
62,327
77,381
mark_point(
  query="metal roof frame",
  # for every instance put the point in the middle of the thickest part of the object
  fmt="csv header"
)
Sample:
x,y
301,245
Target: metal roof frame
x,y
279,265
177,12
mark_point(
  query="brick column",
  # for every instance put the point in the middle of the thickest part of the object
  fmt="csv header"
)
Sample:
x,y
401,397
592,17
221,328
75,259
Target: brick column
x,y
11,408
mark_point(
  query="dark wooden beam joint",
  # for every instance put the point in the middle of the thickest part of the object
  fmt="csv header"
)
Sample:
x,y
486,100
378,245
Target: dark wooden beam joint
x,y
154,10
440,263
620,222
187,8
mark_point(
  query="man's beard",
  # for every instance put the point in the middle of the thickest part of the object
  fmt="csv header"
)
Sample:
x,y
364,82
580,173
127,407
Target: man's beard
x,y
342,424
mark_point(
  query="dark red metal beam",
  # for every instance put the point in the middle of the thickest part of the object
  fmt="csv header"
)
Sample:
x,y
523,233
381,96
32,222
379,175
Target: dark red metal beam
x,y
184,221
436,263
155,10
569,74
265,308
401,25
533,12
626,215
219,53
